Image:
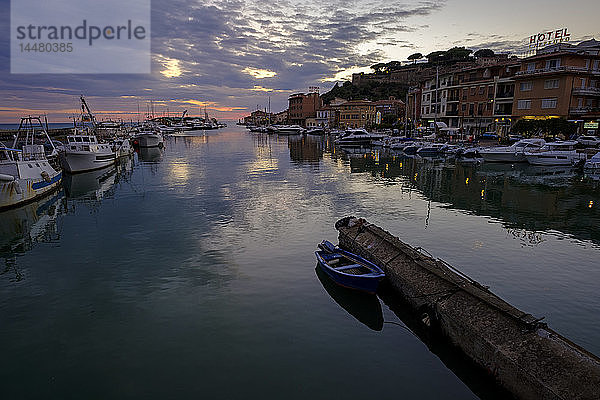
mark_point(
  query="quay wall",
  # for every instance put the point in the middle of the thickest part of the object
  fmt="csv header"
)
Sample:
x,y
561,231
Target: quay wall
x,y
523,354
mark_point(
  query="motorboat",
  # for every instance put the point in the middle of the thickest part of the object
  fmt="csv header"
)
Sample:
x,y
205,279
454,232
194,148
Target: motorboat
x,y
290,129
593,164
164,129
83,152
556,153
25,173
431,150
511,154
469,156
358,137
348,269
315,131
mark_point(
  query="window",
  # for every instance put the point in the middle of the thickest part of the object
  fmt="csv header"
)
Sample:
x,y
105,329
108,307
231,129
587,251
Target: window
x,y
531,66
551,84
524,104
473,90
549,103
481,90
553,64
463,107
596,65
526,86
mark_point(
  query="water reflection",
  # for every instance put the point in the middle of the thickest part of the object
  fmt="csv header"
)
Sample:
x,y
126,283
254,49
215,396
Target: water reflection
x,y
362,306
150,154
23,227
522,196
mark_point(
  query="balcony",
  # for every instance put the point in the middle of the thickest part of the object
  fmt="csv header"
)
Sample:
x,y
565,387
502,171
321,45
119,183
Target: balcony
x,y
558,70
505,95
584,110
587,91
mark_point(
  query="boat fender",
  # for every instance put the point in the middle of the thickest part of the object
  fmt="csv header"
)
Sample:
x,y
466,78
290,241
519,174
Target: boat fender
x,y
17,188
6,178
46,176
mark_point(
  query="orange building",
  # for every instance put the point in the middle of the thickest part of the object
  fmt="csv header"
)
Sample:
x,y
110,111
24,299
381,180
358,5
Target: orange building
x,y
561,80
303,106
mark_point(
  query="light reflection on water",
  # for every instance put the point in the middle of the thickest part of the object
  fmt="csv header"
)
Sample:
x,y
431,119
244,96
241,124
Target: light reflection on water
x,y
190,271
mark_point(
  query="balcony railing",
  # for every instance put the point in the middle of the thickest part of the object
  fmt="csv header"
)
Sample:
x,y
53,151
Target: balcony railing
x,y
584,110
587,91
453,98
561,69
505,95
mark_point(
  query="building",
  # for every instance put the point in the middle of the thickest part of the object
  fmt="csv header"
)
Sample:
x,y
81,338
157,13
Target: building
x,y
326,117
476,99
356,114
390,106
280,118
303,106
257,117
561,80
413,107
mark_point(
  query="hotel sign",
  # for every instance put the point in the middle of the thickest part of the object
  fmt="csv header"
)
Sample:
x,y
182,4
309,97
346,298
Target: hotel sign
x,y
544,39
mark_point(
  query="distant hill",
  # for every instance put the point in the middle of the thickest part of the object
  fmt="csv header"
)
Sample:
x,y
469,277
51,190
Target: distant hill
x,y
370,90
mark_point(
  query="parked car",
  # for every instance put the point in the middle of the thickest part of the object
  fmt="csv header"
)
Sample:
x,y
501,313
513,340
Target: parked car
x,y
589,141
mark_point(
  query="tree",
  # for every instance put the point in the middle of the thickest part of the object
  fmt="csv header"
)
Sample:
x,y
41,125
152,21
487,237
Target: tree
x,y
458,53
484,53
378,67
415,57
435,56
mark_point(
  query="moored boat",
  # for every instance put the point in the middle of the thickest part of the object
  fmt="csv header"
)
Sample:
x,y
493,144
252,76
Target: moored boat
x,y
556,153
83,153
358,137
514,153
348,269
25,173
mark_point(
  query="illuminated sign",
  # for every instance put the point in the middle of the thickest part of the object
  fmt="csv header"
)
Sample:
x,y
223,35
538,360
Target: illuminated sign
x,y
590,125
544,39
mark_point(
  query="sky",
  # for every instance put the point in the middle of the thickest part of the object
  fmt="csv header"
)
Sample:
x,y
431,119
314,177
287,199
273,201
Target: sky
x,y
232,56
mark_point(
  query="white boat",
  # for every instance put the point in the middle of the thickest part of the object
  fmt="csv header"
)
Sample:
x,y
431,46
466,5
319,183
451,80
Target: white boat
x,y
82,152
290,129
315,131
512,154
358,137
147,137
593,164
25,175
555,153
165,130
121,147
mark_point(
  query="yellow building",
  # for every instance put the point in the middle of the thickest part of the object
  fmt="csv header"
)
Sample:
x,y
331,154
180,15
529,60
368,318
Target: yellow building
x,y
356,114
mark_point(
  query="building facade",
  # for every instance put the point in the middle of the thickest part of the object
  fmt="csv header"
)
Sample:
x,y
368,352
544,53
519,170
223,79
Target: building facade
x,y
303,106
356,114
562,80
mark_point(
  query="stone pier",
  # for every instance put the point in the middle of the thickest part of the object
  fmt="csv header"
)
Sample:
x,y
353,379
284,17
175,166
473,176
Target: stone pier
x,y
523,354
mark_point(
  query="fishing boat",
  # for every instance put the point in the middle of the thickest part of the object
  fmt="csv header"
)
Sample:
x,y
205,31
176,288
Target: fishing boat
x,y
121,147
25,172
147,137
512,154
348,269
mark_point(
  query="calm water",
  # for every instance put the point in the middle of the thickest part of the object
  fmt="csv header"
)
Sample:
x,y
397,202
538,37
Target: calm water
x,y
190,272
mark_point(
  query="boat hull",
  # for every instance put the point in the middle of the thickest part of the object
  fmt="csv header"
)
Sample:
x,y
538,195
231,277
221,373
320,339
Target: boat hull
x,y
23,191
503,157
550,159
149,140
76,162
365,283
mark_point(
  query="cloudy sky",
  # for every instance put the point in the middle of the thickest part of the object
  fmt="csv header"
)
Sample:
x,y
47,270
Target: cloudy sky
x,y
230,56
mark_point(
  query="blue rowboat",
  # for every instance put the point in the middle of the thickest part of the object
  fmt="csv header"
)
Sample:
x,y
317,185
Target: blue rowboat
x,y
347,269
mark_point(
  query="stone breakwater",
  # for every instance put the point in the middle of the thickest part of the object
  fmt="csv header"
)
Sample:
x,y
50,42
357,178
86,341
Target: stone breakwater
x,y
523,354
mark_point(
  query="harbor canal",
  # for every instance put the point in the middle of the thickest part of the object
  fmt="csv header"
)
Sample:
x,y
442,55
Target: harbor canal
x,y
189,271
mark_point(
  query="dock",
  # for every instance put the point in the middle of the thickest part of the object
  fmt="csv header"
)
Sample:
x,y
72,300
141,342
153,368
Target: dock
x,y
516,349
